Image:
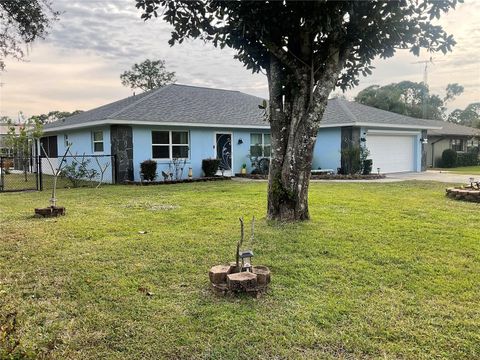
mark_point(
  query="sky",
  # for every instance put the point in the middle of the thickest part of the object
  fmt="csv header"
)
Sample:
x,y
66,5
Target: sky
x,y
79,63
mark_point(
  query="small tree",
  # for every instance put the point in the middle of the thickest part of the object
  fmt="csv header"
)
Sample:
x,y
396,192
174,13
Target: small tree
x,y
21,139
56,171
148,75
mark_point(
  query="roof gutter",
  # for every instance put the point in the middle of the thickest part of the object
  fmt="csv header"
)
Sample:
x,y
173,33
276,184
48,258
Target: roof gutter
x,y
208,125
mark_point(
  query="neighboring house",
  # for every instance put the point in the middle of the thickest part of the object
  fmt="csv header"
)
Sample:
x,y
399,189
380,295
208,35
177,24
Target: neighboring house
x,y
180,121
5,149
451,136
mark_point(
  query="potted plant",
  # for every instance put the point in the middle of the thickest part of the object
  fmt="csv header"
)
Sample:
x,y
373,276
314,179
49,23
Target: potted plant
x,y
243,171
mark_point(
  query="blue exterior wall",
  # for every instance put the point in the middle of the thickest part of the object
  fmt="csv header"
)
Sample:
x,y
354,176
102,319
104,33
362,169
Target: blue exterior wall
x,y
326,154
81,141
202,141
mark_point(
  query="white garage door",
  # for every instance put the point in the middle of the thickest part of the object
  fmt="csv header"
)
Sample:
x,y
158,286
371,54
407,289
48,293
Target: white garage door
x,y
391,153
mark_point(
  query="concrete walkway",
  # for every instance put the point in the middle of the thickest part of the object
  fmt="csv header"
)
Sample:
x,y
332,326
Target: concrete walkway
x,y
429,175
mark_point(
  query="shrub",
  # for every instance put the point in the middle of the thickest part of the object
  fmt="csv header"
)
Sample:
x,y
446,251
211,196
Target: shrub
x,y
78,171
467,159
367,166
148,169
449,158
210,166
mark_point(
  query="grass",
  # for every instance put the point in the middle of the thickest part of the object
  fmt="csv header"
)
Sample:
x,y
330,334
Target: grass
x,y
15,181
469,170
381,271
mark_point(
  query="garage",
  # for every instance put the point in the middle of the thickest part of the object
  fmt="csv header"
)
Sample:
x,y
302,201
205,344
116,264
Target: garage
x,y
392,152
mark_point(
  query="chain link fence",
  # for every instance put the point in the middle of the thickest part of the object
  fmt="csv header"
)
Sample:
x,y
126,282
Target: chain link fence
x,y
37,173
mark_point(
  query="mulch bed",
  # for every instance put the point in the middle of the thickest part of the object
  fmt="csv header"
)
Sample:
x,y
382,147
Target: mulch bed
x,y
203,179
320,177
348,177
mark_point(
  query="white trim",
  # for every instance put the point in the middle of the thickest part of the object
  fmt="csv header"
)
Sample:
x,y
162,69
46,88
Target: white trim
x,y
393,132
231,146
228,126
151,123
170,145
98,141
378,125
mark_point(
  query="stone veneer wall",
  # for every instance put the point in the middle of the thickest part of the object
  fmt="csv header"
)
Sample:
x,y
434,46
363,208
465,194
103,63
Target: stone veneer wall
x,y
121,139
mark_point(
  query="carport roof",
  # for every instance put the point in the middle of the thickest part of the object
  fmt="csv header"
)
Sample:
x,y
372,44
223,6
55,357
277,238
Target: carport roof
x,y
184,105
451,129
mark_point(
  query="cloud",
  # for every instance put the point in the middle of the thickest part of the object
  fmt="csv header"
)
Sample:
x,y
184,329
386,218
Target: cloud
x,y
78,65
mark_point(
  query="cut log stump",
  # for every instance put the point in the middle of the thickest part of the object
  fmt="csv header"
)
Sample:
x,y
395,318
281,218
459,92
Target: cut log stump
x,y
263,275
51,211
243,281
218,274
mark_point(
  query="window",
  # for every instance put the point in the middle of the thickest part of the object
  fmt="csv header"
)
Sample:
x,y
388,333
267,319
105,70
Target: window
x,y
457,144
472,144
49,146
97,138
170,144
6,151
260,145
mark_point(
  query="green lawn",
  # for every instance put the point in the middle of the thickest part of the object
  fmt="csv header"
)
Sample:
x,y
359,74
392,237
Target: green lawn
x,y
474,170
381,271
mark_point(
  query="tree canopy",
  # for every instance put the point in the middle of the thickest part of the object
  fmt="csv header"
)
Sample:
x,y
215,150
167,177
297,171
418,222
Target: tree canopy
x,y
52,116
306,49
147,75
409,98
308,33
470,116
21,23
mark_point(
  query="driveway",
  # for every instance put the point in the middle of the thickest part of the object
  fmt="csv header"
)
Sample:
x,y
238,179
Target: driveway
x,y
432,175
429,175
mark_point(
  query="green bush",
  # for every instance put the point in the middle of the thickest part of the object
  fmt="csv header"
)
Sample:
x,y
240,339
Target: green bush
x,y
449,158
367,166
467,159
78,171
148,168
210,166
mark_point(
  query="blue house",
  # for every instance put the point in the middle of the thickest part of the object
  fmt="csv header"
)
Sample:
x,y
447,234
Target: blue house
x,y
194,123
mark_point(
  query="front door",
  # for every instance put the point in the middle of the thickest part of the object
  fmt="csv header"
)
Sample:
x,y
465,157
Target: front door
x,y
224,152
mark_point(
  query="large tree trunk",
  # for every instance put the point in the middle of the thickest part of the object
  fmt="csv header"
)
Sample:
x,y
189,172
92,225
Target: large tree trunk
x,y
294,119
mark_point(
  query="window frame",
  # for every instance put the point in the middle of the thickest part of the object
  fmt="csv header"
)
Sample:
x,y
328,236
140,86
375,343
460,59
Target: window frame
x,y
98,141
171,144
457,142
472,143
263,144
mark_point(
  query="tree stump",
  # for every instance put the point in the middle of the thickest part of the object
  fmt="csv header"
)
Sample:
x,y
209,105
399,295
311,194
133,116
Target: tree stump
x,y
51,211
218,274
242,281
263,275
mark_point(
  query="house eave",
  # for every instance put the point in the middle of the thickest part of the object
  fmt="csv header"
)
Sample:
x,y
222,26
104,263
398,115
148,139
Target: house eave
x,y
380,125
225,126
151,123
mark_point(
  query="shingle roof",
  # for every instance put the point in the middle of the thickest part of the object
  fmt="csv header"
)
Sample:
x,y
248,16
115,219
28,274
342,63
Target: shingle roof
x,y
198,105
178,103
451,129
340,111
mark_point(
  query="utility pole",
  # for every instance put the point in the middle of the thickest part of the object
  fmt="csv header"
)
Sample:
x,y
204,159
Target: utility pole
x,y
425,82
